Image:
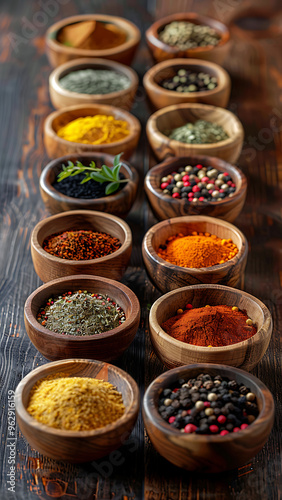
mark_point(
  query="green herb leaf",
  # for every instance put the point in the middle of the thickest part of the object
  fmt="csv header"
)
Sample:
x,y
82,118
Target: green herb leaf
x,y
111,187
115,172
107,172
117,159
98,177
86,178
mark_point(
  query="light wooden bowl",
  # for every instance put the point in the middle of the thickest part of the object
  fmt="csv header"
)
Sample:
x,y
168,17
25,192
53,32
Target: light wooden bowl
x,y
56,146
208,453
161,51
79,446
161,97
61,97
245,354
167,276
104,346
49,267
166,207
59,53
118,203
175,116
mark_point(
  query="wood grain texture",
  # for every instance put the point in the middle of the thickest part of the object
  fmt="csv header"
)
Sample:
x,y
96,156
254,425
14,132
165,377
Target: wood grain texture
x,y
208,453
56,146
118,203
168,276
113,266
166,207
161,97
173,353
171,117
61,98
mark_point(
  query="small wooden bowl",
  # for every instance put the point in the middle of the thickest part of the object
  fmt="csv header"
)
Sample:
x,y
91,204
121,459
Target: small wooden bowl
x,y
78,446
61,97
161,97
175,116
208,453
245,354
56,146
161,51
49,267
167,276
118,203
59,53
104,346
166,207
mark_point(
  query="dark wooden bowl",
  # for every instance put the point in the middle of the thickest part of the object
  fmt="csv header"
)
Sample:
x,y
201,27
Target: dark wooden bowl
x,y
174,353
49,267
105,346
161,51
166,207
59,53
175,116
61,97
79,446
208,453
161,97
167,276
56,146
118,203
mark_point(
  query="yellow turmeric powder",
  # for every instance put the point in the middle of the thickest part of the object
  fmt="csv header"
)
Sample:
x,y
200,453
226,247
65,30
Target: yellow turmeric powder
x,y
197,250
98,129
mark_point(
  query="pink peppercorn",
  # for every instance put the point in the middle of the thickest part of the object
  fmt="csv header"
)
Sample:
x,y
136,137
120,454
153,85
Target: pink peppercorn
x,y
211,181
171,420
229,183
199,166
214,429
224,432
236,429
211,191
189,428
176,195
207,404
195,189
221,419
164,185
205,179
185,178
201,198
233,185
244,426
186,183
225,174
221,191
188,306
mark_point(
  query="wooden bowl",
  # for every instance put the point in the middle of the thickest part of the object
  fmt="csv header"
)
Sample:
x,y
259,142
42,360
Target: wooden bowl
x,y
161,97
165,207
245,354
59,53
208,453
49,267
104,346
161,51
167,276
56,146
78,446
118,203
175,116
61,97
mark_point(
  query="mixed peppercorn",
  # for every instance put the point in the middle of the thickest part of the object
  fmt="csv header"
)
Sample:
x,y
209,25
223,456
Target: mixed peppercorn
x,y
186,80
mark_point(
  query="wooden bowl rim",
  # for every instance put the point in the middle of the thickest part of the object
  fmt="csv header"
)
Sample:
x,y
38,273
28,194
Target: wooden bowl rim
x,y
150,251
81,263
130,173
31,421
241,184
151,123
133,33
74,64
128,323
152,32
251,11
257,337
133,125
267,409
222,75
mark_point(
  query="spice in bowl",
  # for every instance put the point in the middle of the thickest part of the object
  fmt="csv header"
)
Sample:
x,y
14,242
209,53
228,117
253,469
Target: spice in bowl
x,y
98,129
198,183
80,313
208,405
210,326
81,244
197,250
75,403
92,35
94,81
200,132
186,80
185,35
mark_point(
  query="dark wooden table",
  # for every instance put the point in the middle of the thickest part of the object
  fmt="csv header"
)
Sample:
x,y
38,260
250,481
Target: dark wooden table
x,y
255,65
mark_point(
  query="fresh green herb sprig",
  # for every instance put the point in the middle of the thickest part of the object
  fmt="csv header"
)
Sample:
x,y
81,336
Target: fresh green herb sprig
x,y
103,174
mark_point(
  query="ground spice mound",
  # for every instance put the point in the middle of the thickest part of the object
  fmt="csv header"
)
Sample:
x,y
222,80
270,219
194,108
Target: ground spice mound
x,y
197,250
75,403
213,326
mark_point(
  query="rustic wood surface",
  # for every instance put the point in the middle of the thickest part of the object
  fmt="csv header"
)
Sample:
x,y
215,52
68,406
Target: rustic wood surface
x,y
255,66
